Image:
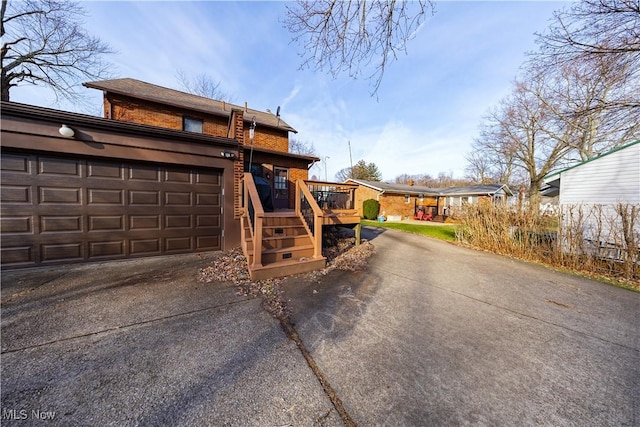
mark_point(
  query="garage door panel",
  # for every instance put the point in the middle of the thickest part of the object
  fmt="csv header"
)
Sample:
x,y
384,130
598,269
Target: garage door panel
x,y
106,249
146,198
101,223
175,198
104,196
144,173
105,170
207,221
146,247
207,243
15,163
178,176
208,199
16,224
59,195
60,224
59,167
16,194
207,179
179,244
144,222
62,251
57,210
178,221
18,256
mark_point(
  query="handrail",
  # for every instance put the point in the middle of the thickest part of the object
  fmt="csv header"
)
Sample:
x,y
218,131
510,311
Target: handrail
x,y
304,199
255,214
332,196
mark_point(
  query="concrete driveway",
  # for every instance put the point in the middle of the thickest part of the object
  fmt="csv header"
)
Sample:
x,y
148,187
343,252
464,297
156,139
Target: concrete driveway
x,y
144,343
430,334
438,335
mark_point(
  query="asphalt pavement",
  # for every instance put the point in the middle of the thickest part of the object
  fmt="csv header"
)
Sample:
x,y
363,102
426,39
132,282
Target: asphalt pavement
x,y
430,334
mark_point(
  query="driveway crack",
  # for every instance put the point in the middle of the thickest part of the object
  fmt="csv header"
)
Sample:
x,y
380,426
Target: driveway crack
x,y
291,332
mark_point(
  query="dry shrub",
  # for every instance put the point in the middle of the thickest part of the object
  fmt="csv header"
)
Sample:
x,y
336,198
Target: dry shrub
x,y
595,239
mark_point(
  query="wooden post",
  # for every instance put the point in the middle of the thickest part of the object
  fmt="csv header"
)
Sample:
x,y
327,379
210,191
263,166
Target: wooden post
x,y
358,229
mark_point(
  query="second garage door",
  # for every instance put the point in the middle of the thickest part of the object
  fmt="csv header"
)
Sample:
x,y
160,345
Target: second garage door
x,y
59,210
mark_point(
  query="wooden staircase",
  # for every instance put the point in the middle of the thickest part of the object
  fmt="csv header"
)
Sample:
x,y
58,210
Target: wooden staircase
x,y
289,242
287,247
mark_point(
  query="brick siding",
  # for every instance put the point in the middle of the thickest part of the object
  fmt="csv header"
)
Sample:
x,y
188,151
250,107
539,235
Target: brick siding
x,y
392,204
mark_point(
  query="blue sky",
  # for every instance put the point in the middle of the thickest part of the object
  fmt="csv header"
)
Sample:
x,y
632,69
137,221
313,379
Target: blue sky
x,y
422,120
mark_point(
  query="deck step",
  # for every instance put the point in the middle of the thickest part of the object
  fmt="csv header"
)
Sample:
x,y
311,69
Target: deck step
x,y
283,230
287,268
279,242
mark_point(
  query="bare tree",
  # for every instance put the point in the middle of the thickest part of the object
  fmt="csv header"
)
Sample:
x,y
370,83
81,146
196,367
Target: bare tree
x,y
297,146
357,37
605,30
517,131
202,85
598,27
43,43
576,95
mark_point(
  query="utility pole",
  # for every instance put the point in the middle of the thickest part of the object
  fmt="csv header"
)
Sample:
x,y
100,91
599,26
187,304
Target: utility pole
x,y
350,161
325,169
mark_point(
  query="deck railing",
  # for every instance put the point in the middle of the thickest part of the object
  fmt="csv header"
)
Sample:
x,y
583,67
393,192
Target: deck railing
x,y
307,207
333,195
254,212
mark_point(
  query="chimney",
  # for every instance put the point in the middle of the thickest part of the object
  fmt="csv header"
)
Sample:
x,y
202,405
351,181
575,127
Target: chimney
x,y
224,106
411,182
245,106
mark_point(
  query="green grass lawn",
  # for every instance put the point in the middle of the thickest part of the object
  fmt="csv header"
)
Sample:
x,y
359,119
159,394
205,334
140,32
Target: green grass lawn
x,y
442,232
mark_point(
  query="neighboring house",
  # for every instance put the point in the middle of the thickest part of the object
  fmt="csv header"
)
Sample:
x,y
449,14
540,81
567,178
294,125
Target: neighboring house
x,y
455,197
160,174
402,201
590,193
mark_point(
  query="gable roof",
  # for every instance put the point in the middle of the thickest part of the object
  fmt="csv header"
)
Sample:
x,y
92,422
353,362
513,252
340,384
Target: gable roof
x,y
550,177
162,95
396,188
551,181
477,190
470,190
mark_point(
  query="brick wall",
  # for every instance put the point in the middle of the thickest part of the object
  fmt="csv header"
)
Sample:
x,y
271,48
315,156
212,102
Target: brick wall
x,y
272,139
237,132
362,194
392,204
128,109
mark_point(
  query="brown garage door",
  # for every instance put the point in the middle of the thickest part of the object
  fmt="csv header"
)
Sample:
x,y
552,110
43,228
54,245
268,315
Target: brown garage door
x,y
60,210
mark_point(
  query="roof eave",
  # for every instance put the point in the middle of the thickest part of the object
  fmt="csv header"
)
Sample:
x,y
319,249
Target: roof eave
x,y
212,111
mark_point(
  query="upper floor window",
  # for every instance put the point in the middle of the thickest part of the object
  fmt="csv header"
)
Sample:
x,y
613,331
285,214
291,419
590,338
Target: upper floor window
x,y
192,125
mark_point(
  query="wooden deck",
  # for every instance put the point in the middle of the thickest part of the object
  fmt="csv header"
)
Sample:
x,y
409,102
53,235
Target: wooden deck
x,y
289,241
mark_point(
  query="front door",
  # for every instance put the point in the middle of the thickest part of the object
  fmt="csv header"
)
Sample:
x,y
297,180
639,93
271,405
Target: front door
x,y
281,188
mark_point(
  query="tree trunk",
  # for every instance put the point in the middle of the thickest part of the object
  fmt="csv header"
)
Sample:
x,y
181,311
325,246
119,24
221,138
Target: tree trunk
x,y
534,195
5,89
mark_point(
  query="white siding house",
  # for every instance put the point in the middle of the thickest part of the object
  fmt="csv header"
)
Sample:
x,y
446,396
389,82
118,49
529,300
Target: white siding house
x,y
595,195
608,179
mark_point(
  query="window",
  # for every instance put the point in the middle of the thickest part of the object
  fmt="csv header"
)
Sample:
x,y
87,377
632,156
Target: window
x,y
407,198
281,182
190,124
